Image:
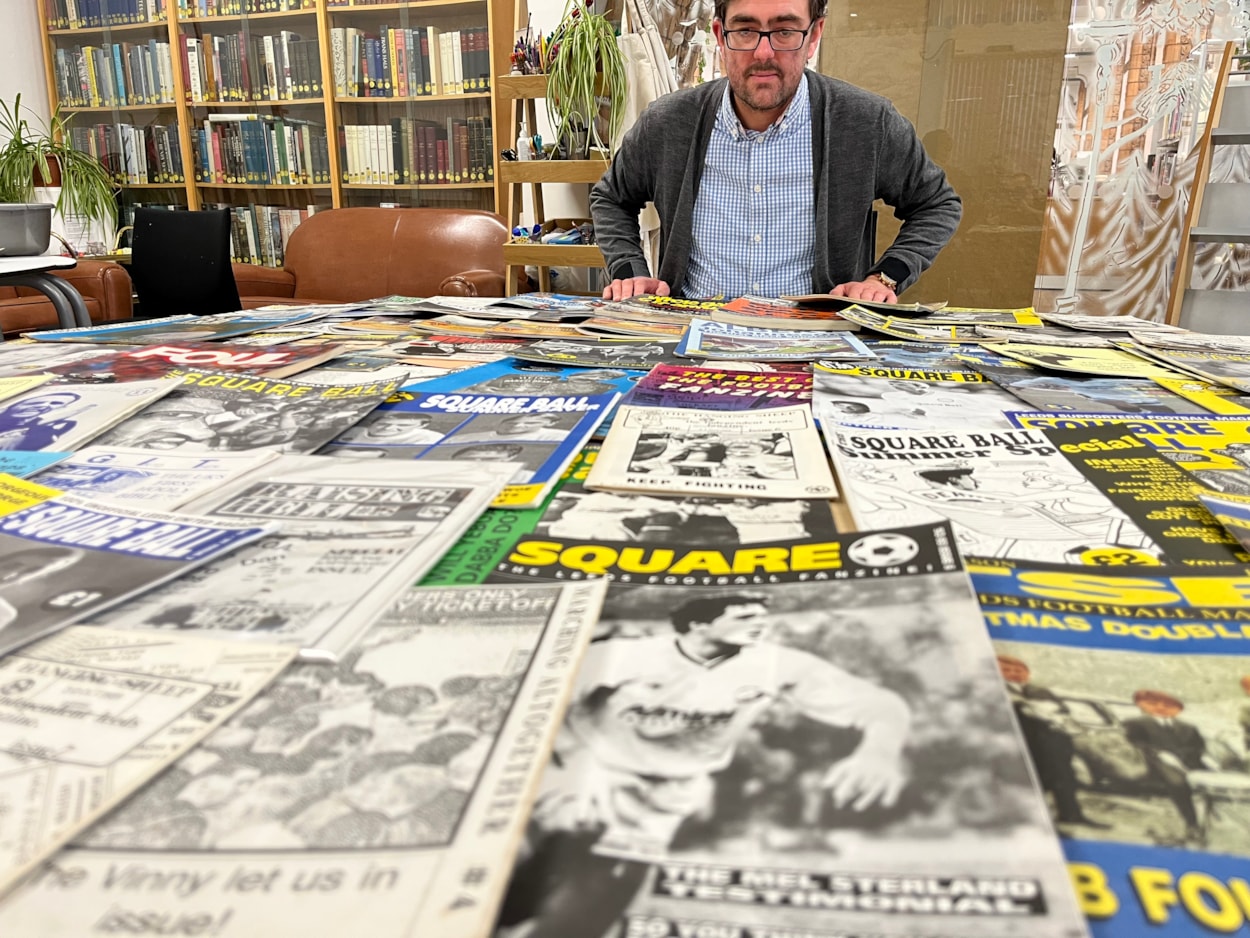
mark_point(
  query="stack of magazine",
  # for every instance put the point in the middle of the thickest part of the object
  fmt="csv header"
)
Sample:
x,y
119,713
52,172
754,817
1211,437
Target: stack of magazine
x,y
547,616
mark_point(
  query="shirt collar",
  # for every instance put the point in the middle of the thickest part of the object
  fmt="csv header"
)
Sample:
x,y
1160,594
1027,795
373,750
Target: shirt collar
x,y
797,115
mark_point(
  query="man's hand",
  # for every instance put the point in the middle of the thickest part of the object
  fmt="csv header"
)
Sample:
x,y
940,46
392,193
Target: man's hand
x,y
870,289
865,778
634,286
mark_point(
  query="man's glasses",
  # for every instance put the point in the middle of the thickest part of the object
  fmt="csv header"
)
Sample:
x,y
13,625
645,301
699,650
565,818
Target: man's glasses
x,y
782,40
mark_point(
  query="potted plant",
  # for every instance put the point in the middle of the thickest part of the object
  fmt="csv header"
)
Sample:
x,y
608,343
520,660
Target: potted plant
x,y
38,154
583,59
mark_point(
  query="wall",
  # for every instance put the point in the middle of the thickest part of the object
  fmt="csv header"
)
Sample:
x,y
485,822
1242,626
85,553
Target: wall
x,y
21,65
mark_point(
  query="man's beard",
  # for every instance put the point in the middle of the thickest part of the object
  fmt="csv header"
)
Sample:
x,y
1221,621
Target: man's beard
x,y
759,99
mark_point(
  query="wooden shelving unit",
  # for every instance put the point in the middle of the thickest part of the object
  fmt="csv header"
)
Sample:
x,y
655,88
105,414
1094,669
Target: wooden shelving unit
x,y
515,97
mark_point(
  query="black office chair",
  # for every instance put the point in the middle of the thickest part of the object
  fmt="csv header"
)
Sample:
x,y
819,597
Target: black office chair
x,y
180,263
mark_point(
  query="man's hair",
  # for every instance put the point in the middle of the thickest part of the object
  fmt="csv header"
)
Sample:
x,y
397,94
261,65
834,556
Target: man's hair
x,y
943,476
852,407
511,417
707,608
403,415
816,8
512,449
1156,696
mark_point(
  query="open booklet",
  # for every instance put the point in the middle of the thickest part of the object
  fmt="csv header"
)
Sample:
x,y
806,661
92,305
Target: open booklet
x,y
382,796
90,715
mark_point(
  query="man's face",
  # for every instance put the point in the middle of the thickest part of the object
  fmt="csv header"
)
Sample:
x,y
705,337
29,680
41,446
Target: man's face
x,y
1013,672
484,454
764,81
965,482
911,387
739,625
526,423
395,426
37,406
1158,708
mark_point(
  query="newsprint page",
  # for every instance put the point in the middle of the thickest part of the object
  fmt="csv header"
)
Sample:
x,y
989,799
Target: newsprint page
x,y
383,796
90,715
804,738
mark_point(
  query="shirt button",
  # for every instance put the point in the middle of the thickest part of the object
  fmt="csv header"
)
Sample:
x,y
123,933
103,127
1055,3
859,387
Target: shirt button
x,y
755,287
757,238
759,188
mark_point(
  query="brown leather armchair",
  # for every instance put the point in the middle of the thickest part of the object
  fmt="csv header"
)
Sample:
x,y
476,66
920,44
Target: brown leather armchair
x,y
105,289
347,254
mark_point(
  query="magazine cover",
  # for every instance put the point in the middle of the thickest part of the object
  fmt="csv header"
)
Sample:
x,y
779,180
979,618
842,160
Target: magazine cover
x,y
1089,361
581,514
177,329
449,352
609,325
146,478
26,356
385,795
802,738
1215,450
916,329
1108,323
1006,493
1216,398
64,416
705,338
542,434
773,453
156,361
14,385
1132,692
1067,391
763,313
1052,335
352,537
1228,368
720,389
1193,341
908,398
1153,491
922,356
89,716
603,353
537,379
842,303
63,558
215,411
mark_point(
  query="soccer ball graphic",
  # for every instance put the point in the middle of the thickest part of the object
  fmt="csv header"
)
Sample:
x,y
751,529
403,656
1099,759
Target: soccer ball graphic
x,y
883,550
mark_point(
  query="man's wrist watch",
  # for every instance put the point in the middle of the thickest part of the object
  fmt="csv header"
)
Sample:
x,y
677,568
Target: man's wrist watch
x,y
887,281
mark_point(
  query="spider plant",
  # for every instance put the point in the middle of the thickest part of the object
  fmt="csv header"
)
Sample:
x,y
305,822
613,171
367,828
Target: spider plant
x,y
33,153
583,60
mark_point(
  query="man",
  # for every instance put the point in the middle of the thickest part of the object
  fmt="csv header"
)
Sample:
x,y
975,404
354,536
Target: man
x,y
1172,749
533,428
393,427
764,180
29,422
1041,715
651,722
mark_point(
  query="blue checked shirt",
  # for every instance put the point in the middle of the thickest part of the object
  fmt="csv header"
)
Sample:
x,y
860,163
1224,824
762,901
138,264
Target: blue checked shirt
x,y
754,223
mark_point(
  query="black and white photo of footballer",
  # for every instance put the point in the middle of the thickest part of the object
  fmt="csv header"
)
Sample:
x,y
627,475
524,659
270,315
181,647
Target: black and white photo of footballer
x,y
1137,748
853,727
715,455
906,404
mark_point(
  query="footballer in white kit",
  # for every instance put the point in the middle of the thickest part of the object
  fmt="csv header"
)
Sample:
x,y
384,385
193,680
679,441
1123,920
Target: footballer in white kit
x,y
654,718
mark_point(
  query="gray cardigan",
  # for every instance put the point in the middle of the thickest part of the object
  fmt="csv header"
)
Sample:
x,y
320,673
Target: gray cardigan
x,y
862,149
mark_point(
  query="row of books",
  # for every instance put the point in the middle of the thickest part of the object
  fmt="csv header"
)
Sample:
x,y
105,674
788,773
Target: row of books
x,y
406,63
245,66
135,154
200,8
114,74
72,14
252,149
408,151
259,233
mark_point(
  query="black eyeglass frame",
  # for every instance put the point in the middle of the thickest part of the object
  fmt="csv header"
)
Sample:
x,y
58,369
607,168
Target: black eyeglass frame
x,y
762,34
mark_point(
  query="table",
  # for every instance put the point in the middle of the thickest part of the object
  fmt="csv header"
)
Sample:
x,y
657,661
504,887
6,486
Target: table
x,y
33,272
